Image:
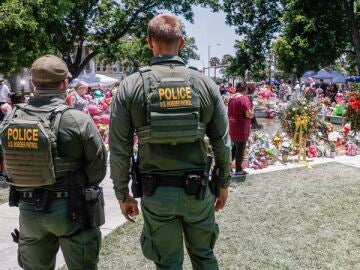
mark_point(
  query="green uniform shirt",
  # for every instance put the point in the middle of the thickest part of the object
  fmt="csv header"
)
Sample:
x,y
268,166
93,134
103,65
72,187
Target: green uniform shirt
x,y
128,113
78,140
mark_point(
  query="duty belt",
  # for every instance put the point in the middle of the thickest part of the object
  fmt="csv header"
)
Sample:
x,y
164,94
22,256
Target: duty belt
x,y
29,195
167,180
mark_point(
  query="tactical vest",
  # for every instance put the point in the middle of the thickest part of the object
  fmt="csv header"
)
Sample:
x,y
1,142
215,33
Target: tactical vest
x,y
29,140
173,110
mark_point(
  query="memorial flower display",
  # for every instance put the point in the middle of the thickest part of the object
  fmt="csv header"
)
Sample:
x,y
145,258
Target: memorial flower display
x,y
352,114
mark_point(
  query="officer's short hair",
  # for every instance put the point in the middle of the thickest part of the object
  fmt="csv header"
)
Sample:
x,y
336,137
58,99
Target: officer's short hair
x,y
165,28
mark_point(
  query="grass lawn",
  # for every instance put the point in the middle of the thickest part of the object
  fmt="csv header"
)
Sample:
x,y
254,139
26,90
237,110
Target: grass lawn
x,y
295,219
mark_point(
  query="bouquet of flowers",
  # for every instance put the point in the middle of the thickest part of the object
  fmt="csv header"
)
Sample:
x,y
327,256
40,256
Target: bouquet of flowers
x,y
300,114
352,114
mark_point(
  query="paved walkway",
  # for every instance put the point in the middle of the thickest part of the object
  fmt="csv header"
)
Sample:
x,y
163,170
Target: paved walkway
x,y
9,216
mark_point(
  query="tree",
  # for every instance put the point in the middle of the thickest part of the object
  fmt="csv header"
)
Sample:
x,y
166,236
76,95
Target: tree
x,y
226,59
214,61
311,38
134,52
67,27
257,22
309,34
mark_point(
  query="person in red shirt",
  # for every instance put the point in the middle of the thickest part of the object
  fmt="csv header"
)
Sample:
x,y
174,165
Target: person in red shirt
x,y
240,113
231,89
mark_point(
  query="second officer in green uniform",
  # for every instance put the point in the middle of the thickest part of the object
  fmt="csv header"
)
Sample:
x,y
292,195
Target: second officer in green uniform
x,y
54,155
171,108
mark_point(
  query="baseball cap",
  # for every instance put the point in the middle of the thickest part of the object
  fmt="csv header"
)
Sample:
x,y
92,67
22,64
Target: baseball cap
x,y
49,69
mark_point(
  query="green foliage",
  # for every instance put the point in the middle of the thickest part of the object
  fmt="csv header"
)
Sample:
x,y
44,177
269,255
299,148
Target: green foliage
x,y
22,37
214,61
66,27
302,34
134,52
257,22
312,38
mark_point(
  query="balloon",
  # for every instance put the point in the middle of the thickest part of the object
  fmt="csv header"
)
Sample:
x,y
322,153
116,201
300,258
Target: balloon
x,y
98,94
105,119
6,108
108,94
105,107
339,98
93,109
96,119
338,110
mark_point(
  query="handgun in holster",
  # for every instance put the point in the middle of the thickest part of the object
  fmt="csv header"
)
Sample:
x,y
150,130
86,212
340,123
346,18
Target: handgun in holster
x,y
136,179
205,179
86,203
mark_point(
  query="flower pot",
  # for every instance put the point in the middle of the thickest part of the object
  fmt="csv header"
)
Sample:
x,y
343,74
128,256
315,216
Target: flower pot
x,y
285,158
332,154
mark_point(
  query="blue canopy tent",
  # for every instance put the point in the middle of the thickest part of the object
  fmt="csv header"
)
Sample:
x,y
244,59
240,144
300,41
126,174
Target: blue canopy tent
x,y
338,77
307,75
353,79
323,74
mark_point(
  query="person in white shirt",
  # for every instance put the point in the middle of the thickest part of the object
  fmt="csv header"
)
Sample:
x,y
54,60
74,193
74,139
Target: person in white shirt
x,y
78,99
4,96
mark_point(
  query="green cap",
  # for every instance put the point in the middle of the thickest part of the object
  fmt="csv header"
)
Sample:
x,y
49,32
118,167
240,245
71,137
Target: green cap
x,y
49,69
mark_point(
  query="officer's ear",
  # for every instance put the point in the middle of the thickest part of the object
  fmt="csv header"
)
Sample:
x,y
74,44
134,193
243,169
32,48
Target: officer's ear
x,y
64,85
181,43
150,42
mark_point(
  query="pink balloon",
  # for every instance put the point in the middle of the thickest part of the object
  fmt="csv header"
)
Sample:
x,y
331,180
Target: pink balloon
x,y
96,119
105,119
105,107
93,109
108,94
6,108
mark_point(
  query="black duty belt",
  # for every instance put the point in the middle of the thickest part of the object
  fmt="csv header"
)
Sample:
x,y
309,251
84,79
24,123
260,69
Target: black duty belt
x,y
29,195
170,181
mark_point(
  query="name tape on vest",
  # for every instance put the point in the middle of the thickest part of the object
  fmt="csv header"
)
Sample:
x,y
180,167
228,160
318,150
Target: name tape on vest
x,y
23,138
173,97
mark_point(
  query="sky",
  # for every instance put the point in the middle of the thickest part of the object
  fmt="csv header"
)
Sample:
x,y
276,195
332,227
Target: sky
x,y
210,29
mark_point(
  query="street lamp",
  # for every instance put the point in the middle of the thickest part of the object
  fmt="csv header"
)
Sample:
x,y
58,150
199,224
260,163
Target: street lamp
x,y
209,46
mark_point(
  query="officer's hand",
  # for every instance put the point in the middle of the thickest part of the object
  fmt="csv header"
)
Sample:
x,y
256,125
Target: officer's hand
x,y
221,199
129,208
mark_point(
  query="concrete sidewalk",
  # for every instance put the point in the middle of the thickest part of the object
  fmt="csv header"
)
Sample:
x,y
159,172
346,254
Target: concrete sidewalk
x,y
9,221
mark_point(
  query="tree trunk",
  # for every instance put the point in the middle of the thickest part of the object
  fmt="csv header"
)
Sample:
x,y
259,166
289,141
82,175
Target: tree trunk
x,y
354,32
356,43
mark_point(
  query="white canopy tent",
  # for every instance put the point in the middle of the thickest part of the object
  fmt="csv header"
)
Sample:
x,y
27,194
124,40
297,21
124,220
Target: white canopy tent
x,y
327,76
94,80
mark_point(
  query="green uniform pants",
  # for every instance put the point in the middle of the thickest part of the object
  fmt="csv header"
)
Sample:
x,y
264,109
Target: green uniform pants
x,y
41,234
171,214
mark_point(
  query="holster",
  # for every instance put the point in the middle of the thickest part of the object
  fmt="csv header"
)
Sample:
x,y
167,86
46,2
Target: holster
x,y
136,181
86,205
41,199
14,197
149,184
95,206
77,203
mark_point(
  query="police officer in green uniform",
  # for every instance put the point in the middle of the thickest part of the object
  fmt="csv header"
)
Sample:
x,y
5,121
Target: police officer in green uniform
x,y
49,149
171,108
